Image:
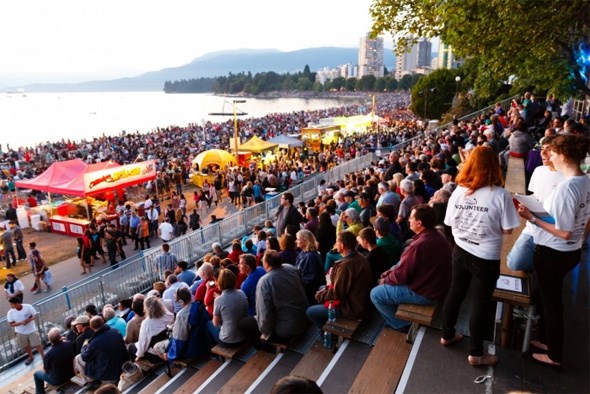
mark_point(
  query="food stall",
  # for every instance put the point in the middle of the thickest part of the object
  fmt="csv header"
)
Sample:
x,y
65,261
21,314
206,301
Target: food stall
x,y
206,165
262,149
87,190
314,137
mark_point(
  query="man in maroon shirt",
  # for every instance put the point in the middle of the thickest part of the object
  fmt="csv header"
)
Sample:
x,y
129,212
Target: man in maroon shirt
x,y
423,274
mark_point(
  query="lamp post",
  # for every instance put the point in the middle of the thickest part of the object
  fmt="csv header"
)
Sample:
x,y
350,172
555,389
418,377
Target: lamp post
x,y
457,82
235,115
424,94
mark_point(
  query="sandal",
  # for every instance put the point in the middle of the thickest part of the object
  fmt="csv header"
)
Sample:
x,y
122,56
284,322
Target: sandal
x,y
29,361
543,359
539,345
448,342
487,359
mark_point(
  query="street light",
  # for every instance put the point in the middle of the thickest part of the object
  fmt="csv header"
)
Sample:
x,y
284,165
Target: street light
x,y
235,114
457,80
424,94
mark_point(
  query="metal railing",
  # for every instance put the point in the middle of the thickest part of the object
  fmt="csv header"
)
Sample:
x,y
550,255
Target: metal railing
x,y
137,274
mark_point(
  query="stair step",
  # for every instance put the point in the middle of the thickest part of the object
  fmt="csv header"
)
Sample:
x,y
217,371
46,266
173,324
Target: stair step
x,y
199,377
246,375
383,368
313,362
155,384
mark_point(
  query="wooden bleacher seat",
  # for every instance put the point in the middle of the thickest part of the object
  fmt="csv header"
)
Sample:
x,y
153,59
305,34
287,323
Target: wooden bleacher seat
x,y
57,388
199,377
384,366
342,327
246,375
155,384
417,315
228,353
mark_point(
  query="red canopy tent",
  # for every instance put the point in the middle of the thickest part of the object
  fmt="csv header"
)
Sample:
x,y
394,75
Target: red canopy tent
x,y
75,186
58,173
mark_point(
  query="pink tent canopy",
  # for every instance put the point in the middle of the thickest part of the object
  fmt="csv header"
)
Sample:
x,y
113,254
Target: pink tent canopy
x,y
57,173
65,177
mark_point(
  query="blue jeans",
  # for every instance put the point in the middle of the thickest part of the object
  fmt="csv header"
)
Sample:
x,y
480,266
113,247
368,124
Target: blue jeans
x,y
318,314
387,298
40,378
213,331
520,257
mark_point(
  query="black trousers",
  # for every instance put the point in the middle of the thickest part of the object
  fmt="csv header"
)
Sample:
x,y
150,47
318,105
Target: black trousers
x,y
481,275
551,266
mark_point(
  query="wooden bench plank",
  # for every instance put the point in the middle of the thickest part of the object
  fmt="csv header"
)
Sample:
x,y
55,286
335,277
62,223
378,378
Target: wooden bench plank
x,y
313,363
342,327
199,377
246,375
228,353
421,314
384,366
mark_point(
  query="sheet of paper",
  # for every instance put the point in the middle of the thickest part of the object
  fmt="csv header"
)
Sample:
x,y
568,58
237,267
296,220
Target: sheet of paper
x,y
510,283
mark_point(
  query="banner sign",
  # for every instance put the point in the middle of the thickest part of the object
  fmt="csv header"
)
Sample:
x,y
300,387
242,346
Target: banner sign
x,y
126,175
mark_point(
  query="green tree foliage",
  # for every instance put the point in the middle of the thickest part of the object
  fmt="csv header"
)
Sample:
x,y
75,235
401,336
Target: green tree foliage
x,y
200,85
542,42
406,82
433,94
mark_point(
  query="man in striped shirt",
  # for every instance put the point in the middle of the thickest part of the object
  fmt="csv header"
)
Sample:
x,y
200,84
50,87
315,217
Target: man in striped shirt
x,y
165,261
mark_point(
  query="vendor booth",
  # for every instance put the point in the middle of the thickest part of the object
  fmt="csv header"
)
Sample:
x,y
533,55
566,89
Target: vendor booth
x,y
207,163
286,142
256,145
314,137
90,191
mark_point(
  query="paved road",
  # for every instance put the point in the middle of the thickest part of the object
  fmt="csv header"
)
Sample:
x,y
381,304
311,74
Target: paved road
x,y
68,271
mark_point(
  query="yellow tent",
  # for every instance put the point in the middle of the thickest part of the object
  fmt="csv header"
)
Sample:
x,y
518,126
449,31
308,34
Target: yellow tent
x,y
257,145
214,156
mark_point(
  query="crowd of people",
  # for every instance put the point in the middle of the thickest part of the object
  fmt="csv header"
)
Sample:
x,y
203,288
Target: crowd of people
x,y
419,226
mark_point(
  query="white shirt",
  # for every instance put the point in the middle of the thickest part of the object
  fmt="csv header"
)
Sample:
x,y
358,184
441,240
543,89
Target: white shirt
x,y
543,182
18,287
477,219
166,231
169,294
569,205
15,316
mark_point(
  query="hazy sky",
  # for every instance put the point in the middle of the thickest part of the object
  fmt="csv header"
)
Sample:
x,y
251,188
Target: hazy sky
x,y
77,40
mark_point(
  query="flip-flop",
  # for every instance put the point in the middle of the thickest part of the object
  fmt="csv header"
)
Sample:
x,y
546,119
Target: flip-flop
x,y
543,359
448,342
29,361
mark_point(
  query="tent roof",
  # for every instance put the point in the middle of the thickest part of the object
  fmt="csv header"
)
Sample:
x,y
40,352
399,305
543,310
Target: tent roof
x,y
57,173
286,140
76,185
256,145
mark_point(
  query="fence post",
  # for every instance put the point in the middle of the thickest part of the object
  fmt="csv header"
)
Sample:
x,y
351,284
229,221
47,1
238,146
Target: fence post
x,y
101,285
68,300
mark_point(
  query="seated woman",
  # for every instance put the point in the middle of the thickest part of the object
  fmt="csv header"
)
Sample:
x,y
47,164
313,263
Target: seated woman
x,y
309,263
288,248
212,292
230,307
153,330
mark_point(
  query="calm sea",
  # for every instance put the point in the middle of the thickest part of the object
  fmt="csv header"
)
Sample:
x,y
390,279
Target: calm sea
x,y
26,120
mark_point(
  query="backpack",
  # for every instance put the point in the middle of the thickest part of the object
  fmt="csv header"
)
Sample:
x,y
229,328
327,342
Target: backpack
x,y
198,345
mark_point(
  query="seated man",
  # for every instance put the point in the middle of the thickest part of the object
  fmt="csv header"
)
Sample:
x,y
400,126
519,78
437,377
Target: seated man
x,y
423,275
280,303
390,244
349,284
103,356
58,362
114,321
247,266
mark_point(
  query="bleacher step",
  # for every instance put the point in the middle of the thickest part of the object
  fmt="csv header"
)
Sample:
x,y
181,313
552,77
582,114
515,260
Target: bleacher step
x,y
199,377
313,362
246,375
155,384
383,368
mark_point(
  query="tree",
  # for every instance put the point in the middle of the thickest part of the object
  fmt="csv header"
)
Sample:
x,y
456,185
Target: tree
x,y
351,84
379,85
433,94
406,82
391,84
366,83
544,43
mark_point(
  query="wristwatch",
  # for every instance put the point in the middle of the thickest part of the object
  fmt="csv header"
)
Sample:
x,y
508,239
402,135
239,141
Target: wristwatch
x,y
533,220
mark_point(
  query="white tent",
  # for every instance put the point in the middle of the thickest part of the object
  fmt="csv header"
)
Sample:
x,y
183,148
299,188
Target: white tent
x,y
286,142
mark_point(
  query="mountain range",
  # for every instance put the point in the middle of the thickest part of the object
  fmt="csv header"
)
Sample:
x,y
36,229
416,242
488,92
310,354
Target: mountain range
x,y
220,63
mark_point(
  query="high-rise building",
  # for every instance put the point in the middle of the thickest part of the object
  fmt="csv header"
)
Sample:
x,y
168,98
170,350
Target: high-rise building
x,y
371,57
423,53
419,57
446,57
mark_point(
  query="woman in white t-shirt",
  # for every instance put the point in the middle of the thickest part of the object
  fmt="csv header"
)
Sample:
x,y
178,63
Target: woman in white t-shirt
x,y
559,244
479,213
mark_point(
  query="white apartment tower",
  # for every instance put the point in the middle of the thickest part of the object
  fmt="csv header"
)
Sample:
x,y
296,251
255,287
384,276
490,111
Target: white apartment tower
x,y
371,57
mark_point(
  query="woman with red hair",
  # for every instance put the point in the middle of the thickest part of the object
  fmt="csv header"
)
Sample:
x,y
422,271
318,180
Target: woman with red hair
x,y
479,212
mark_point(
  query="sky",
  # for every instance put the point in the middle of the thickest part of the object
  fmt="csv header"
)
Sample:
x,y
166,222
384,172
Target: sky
x,y
78,40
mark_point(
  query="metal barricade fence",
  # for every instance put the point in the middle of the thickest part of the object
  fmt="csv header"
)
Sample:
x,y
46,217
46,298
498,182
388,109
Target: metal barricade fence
x,y
137,274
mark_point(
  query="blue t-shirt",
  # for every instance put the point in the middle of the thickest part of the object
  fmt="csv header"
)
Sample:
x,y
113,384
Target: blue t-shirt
x,y
249,288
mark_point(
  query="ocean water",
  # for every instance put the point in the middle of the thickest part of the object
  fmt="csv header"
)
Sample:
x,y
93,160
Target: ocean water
x,y
26,120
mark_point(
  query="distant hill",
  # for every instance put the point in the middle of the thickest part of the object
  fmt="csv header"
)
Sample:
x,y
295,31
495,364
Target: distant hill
x,y
221,63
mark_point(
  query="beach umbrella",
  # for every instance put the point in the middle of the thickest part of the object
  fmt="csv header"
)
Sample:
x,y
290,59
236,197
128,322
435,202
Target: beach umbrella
x,y
218,157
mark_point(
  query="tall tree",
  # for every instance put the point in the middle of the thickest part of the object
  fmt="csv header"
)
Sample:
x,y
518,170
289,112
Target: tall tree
x,y
545,43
